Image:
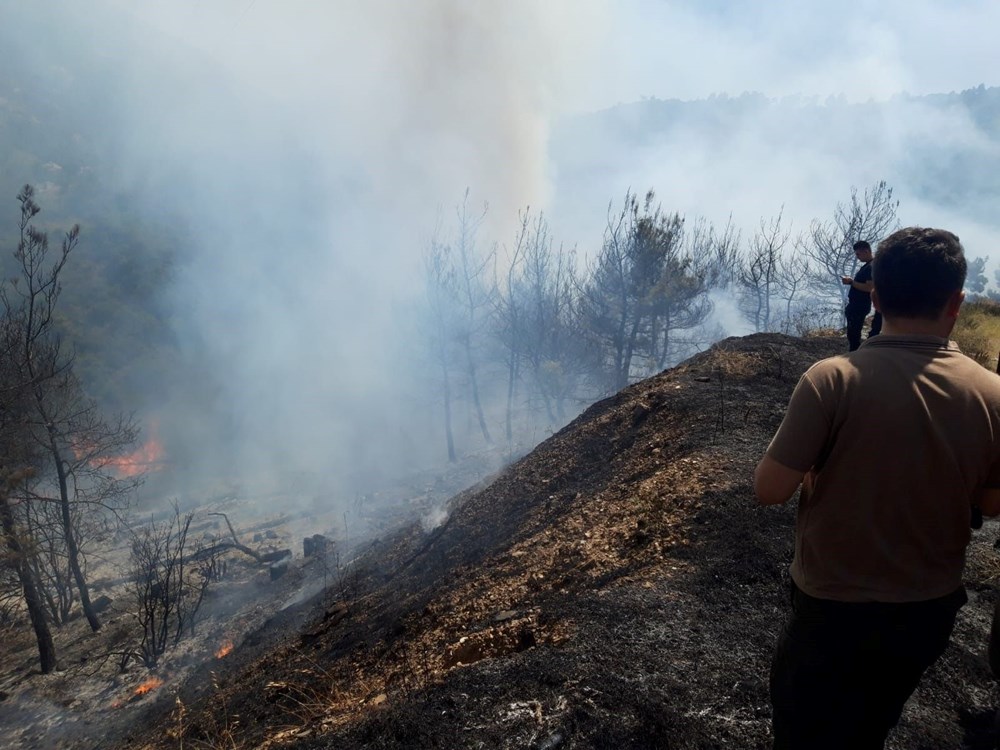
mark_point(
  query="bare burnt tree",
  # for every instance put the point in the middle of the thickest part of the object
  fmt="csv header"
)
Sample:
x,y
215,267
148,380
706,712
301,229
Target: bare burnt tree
x,y
760,272
549,280
19,553
795,274
18,460
70,432
473,290
167,589
11,603
49,562
438,325
457,314
868,216
535,310
715,255
16,467
508,316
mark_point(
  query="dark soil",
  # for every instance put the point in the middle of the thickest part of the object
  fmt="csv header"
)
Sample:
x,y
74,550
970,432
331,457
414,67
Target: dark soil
x,y
617,588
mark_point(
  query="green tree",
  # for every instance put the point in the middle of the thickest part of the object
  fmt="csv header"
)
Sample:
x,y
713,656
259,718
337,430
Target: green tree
x,y
641,287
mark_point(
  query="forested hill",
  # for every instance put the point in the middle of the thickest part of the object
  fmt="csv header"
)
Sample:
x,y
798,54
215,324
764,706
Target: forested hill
x,y
63,132
943,149
111,304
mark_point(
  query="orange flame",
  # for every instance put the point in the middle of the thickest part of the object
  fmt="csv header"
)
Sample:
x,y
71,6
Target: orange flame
x,y
142,689
224,650
146,457
151,684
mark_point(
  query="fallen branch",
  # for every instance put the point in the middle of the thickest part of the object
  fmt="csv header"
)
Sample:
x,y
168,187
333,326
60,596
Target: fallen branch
x,y
209,552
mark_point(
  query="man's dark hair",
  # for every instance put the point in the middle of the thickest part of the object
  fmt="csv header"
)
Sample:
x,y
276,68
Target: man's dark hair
x,y
862,245
916,270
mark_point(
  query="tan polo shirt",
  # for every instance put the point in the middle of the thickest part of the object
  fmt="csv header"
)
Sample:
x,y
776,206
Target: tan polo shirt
x,y
901,434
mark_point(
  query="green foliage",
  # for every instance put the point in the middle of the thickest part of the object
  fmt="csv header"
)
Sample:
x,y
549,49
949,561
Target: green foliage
x,y
642,288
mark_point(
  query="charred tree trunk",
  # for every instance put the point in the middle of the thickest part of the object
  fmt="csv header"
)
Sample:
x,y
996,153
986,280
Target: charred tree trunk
x,y
665,353
449,437
511,380
474,384
536,369
72,548
626,368
36,610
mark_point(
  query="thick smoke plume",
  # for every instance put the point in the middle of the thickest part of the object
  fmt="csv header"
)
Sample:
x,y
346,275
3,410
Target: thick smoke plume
x,y
306,153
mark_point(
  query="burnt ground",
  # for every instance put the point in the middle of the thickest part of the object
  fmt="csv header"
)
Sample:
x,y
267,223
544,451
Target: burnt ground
x,y
616,588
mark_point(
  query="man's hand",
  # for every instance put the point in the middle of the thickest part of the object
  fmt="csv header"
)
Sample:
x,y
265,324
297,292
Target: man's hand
x,y
846,280
775,483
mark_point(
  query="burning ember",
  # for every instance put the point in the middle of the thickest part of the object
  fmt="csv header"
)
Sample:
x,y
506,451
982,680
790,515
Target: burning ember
x,y
151,684
224,650
146,687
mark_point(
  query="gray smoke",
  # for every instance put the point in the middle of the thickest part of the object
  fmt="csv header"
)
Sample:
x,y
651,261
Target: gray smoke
x,y
307,152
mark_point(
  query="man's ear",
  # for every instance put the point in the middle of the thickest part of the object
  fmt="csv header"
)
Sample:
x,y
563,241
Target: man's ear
x,y
954,303
875,302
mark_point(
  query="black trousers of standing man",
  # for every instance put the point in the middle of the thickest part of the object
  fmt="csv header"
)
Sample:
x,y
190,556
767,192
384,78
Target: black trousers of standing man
x,y
842,671
855,322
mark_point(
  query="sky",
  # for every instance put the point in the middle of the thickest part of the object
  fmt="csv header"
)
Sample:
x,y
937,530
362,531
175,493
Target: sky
x,y
594,54
860,49
313,149
429,98
466,94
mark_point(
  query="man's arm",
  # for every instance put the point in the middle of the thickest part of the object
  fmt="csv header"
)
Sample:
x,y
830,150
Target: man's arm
x,y
774,483
861,286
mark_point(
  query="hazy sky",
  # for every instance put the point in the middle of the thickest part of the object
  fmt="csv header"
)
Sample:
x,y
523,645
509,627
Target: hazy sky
x,y
596,53
863,49
434,96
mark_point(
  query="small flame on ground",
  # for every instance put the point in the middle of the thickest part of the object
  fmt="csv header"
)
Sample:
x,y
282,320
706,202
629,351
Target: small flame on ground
x,y
148,686
151,684
224,650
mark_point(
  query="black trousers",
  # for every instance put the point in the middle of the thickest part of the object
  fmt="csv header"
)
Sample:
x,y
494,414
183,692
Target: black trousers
x,y
855,322
842,671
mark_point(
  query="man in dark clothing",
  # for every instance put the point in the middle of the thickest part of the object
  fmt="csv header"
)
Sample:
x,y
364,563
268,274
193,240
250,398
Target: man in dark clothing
x,y
859,299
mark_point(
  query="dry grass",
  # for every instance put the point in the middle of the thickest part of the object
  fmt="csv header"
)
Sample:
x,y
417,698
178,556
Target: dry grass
x,y
978,332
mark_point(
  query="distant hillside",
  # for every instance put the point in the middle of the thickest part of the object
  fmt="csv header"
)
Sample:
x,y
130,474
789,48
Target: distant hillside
x,y
942,149
61,130
618,587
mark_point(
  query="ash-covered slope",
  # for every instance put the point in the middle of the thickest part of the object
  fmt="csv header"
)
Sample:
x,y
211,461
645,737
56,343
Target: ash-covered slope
x,y
618,587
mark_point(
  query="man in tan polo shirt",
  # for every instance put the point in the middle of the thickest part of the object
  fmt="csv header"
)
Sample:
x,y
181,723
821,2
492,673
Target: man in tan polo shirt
x,y
893,445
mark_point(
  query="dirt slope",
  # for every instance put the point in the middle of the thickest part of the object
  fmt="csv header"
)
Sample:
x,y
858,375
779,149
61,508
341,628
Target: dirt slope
x,y
616,588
